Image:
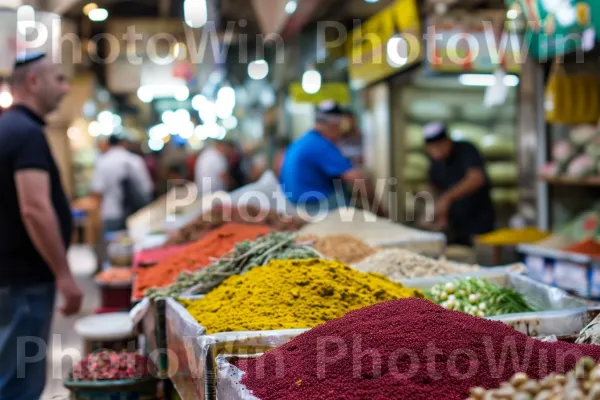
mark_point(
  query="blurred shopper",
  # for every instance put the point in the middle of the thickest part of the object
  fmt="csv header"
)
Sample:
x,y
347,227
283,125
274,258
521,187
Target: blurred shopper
x,y
212,169
458,176
35,230
236,159
122,184
280,150
313,164
103,146
351,144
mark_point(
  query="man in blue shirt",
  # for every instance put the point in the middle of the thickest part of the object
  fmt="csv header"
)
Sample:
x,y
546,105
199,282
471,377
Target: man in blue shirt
x,y
314,169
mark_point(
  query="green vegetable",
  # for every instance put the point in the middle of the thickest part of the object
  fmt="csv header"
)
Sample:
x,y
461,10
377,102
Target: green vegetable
x,y
478,297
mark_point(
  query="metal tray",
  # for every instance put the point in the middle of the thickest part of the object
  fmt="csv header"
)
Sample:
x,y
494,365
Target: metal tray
x,y
229,380
192,353
545,297
150,314
566,325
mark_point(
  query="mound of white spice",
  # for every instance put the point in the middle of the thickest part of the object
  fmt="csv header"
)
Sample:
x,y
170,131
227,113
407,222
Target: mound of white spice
x,y
398,264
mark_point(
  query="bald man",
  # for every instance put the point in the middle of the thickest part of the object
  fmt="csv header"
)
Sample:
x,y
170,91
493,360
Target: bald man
x,y
35,230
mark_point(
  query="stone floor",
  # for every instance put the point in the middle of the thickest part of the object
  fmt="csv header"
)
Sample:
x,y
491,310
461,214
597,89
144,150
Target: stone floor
x,y
65,343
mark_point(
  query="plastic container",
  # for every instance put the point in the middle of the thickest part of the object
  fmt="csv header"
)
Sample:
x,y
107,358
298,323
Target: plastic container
x,y
575,273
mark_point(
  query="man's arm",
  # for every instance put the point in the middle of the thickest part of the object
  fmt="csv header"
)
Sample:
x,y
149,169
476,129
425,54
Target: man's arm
x,y
472,182
356,177
41,223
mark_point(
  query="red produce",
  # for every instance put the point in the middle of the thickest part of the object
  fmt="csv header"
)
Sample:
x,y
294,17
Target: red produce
x,y
111,366
404,349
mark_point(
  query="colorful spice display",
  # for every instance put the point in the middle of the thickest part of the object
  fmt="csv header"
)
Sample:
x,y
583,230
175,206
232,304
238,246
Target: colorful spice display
x,y
244,256
555,242
372,229
291,294
478,297
345,248
115,275
151,257
398,264
581,383
404,349
111,366
512,237
589,247
197,255
220,215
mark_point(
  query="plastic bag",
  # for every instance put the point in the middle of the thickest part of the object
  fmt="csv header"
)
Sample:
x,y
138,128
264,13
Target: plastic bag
x,y
557,100
468,132
415,138
497,146
592,149
503,173
581,167
551,170
582,134
562,152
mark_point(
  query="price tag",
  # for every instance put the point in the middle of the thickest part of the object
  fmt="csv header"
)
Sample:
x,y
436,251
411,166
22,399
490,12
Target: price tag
x,y
571,276
595,289
535,268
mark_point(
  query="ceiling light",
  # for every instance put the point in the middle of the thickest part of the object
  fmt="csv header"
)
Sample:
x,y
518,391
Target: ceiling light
x,y
182,115
89,7
223,108
167,117
195,13
208,113
230,123
25,19
511,80
311,81
182,93
486,80
371,1
117,120
73,132
6,98
258,69
98,15
105,118
156,144
512,14
226,97
145,94
94,128
291,6
180,51
159,131
397,51
198,101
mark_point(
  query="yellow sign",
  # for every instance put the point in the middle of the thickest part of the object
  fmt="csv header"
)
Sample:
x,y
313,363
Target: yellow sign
x,y
387,43
338,92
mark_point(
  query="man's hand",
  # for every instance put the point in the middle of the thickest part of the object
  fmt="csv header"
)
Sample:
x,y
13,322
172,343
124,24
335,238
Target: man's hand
x,y
442,209
71,294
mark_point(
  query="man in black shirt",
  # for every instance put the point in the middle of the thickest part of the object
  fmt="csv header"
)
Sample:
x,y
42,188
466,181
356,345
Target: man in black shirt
x,y
458,175
35,230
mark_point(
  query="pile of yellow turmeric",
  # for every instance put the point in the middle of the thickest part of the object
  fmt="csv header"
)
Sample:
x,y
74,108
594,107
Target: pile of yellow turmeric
x,y
512,237
291,294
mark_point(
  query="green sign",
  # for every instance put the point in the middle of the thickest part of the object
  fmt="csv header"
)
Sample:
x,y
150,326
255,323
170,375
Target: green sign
x,y
558,27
